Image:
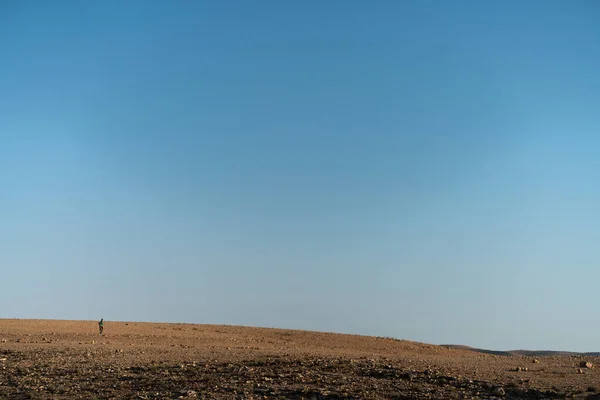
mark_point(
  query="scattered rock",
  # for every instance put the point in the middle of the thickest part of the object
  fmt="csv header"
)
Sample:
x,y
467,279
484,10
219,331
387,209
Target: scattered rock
x,y
536,361
586,364
57,371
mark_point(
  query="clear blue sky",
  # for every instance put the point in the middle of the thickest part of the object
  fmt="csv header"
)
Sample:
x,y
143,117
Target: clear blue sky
x,y
424,170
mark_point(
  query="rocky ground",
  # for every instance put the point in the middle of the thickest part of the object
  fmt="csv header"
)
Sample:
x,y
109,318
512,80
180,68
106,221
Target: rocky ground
x,y
69,359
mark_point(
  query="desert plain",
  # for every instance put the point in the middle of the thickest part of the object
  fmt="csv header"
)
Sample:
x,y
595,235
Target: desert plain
x,y
48,359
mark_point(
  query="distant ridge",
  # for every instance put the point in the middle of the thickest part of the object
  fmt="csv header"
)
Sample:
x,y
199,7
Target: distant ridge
x,y
524,353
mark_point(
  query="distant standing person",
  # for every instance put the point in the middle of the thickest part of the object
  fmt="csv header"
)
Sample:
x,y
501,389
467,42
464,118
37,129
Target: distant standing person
x,y
101,325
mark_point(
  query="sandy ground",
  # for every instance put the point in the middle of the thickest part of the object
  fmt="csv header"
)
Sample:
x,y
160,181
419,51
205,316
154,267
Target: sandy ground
x,y
42,359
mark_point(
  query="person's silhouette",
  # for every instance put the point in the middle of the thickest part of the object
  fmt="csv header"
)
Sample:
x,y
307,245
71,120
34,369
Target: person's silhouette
x,y
101,325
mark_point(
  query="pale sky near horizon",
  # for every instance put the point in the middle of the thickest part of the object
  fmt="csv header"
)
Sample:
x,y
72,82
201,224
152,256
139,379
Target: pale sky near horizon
x,y
416,169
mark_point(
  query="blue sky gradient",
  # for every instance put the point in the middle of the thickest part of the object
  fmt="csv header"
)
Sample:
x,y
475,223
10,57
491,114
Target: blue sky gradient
x,y
423,170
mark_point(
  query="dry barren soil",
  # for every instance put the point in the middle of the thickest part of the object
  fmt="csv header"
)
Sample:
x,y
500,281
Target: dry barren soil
x,y
42,359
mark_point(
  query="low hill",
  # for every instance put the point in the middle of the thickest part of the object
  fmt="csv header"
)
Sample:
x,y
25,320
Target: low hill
x,y
523,353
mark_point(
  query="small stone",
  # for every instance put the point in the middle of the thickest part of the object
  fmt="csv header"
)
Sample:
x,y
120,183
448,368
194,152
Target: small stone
x,y
536,361
586,364
500,392
579,371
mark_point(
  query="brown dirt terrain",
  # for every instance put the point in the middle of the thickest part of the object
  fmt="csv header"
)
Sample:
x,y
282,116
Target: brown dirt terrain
x,y
42,359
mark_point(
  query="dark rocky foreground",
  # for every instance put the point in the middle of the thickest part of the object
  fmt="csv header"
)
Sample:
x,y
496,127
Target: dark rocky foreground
x,y
69,374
